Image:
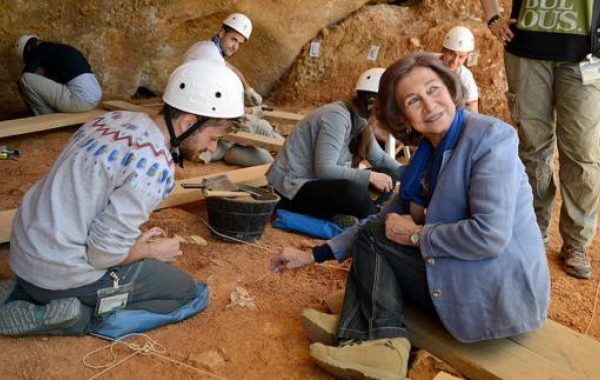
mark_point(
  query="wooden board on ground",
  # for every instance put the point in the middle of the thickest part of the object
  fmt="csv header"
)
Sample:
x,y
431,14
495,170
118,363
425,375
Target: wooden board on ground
x,y
253,139
283,117
279,116
120,105
40,123
253,176
553,352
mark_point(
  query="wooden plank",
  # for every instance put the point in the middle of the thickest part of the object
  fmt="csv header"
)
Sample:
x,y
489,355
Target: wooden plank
x,y
6,218
252,176
550,352
118,105
40,123
283,117
279,116
504,358
253,139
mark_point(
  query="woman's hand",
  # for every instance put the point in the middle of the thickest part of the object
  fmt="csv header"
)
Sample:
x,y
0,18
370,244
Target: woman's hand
x,y
381,182
398,228
291,258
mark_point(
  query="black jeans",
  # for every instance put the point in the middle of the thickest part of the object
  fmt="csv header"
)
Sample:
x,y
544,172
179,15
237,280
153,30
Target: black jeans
x,y
324,198
382,275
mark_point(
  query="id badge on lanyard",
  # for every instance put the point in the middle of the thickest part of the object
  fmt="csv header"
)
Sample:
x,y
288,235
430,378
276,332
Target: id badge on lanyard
x,y
113,298
590,70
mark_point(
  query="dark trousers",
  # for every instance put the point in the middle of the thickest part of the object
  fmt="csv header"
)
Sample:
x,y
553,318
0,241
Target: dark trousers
x,y
157,287
383,274
326,198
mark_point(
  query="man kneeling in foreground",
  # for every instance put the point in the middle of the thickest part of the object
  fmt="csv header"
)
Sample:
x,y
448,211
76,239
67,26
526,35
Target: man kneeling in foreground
x,y
76,246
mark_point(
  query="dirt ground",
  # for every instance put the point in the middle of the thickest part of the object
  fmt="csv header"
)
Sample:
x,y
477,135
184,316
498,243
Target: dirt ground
x,y
227,340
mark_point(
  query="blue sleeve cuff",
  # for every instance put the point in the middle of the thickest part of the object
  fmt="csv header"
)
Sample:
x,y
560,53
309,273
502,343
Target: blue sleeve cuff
x,y
322,253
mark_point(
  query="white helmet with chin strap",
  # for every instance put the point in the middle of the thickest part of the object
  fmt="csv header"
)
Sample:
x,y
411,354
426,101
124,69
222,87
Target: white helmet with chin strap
x,y
240,23
369,80
204,88
459,39
22,42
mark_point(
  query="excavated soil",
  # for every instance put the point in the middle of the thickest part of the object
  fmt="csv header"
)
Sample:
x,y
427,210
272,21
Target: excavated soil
x,y
256,340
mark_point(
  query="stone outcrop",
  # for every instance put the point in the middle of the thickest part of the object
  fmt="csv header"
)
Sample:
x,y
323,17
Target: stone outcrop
x,y
133,43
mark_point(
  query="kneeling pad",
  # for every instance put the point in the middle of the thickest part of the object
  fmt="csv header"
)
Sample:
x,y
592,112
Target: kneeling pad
x,y
309,225
123,322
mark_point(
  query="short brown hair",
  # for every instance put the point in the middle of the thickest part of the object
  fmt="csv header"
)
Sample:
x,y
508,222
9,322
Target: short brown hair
x,y
386,110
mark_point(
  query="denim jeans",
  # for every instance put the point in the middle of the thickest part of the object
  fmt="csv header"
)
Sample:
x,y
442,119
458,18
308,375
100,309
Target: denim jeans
x,y
157,287
383,274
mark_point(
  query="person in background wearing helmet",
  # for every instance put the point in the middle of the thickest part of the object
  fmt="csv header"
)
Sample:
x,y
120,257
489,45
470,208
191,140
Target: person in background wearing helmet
x,y
77,233
551,52
236,30
458,44
56,77
317,172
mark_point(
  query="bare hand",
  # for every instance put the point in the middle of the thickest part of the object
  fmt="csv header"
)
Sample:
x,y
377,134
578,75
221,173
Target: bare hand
x,y
398,228
159,246
501,30
152,234
290,258
381,182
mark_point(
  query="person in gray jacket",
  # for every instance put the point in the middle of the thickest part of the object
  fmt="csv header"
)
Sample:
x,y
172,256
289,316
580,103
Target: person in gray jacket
x,y
460,241
317,171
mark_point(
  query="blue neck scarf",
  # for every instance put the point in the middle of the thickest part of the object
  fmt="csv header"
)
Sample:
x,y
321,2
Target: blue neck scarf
x,y
412,178
217,41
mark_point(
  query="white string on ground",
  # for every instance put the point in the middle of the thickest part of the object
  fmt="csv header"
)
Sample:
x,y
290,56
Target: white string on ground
x,y
227,237
150,347
268,249
593,309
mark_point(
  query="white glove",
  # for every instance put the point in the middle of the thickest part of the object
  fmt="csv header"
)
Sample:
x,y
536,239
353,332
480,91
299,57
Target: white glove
x,y
253,97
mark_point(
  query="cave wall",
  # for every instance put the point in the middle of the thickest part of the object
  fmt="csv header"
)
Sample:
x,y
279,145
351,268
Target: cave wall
x,y
132,43
397,31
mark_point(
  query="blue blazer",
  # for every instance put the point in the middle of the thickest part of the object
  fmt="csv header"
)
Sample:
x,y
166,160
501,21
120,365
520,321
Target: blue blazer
x,y
485,259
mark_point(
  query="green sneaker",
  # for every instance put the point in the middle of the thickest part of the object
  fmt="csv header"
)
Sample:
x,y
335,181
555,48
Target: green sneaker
x,y
320,327
577,262
381,359
26,318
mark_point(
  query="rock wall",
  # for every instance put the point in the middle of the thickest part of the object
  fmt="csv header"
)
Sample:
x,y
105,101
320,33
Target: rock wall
x,y
395,31
132,43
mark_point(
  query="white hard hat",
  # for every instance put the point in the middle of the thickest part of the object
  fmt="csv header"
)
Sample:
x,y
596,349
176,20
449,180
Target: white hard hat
x,y
240,23
21,43
207,89
369,80
459,39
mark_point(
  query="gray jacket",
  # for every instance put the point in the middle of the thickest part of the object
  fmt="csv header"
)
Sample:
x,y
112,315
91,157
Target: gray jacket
x,y
319,149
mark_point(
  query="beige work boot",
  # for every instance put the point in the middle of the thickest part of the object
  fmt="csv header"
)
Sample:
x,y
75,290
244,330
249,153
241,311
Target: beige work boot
x,y
320,327
380,359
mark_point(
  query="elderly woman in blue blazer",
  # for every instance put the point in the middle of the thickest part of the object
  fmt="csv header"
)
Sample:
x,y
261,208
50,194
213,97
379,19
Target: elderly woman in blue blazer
x,y
460,240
